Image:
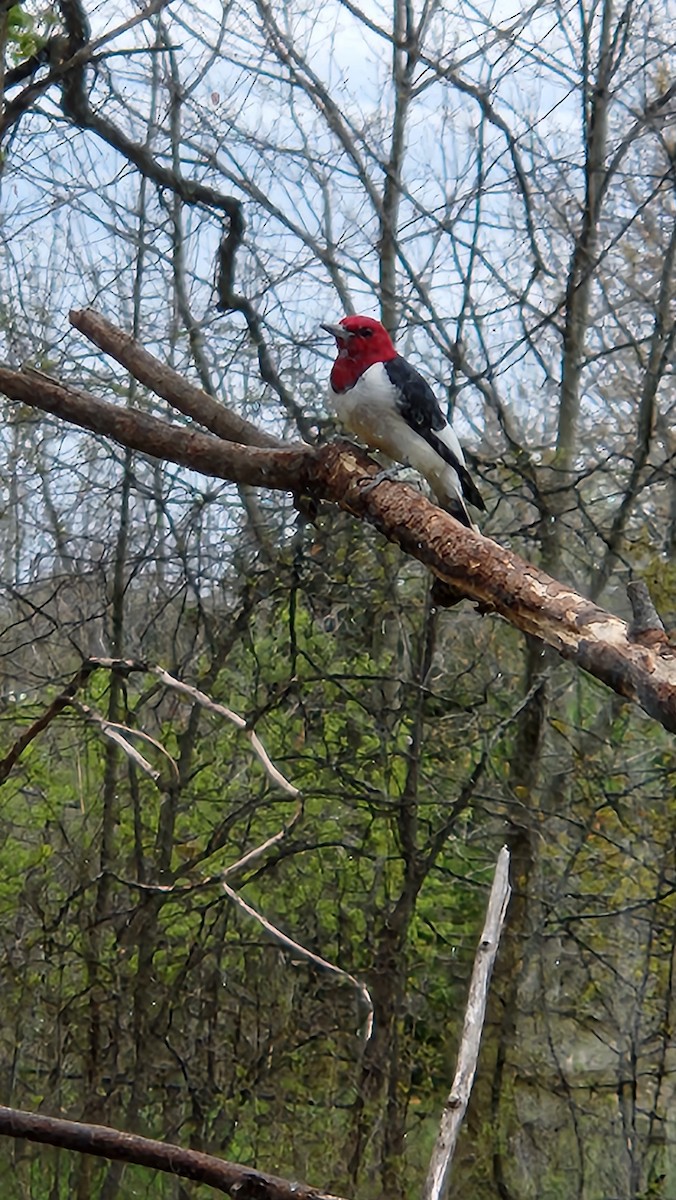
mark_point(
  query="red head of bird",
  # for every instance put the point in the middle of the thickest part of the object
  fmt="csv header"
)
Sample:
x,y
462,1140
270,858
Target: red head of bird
x,y
361,342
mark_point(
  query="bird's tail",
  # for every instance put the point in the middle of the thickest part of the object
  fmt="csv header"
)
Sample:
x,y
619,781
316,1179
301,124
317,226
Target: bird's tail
x,y
448,491
456,508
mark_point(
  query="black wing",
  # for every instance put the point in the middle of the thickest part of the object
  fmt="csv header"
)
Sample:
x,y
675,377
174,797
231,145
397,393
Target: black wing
x,y
420,407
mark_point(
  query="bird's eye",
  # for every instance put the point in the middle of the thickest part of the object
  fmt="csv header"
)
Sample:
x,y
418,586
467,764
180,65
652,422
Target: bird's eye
x,y
366,332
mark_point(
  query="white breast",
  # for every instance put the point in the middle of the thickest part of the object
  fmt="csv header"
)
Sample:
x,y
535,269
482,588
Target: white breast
x,y
369,409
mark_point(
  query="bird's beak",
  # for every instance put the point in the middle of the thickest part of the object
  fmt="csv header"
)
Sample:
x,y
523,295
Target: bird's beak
x,y
339,332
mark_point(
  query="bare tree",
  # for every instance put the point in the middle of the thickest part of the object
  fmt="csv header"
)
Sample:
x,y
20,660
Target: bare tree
x,y
502,194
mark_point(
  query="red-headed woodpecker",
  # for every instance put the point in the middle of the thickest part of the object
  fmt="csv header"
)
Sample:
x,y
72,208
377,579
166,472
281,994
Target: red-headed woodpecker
x,y
383,400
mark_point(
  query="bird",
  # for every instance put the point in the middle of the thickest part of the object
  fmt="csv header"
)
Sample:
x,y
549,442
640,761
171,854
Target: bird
x,y
381,398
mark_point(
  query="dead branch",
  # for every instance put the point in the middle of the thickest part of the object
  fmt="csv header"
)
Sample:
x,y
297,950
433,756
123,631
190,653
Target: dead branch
x,y
197,697
164,382
257,852
299,951
287,469
57,706
233,1179
436,1184
120,735
471,564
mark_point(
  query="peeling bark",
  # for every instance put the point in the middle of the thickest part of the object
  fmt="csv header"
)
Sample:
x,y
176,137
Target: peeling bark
x,y
528,598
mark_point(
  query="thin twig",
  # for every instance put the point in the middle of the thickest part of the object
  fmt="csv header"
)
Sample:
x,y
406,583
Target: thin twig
x,y
258,851
111,730
57,706
119,733
301,952
204,701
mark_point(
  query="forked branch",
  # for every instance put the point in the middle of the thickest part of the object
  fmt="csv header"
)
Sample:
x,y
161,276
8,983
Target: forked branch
x,y
474,566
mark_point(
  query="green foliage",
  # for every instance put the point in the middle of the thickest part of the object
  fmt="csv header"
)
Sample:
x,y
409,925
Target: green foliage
x,y
274,1044
208,1030
24,33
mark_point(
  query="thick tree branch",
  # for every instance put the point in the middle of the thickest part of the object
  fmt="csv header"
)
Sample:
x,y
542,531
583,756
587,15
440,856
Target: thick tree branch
x,y
164,382
473,565
231,1178
285,469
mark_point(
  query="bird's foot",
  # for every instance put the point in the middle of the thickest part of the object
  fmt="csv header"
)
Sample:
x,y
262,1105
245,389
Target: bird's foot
x,y
387,475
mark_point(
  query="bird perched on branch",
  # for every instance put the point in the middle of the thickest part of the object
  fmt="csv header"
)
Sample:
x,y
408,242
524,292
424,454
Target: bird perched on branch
x,y
383,400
